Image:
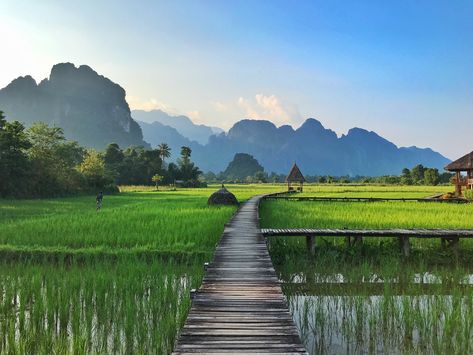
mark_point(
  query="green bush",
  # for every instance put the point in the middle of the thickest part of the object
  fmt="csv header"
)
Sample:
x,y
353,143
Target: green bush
x,y
468,194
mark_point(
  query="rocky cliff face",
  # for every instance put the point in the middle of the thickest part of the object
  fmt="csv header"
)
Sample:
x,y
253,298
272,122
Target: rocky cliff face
x,y
89,107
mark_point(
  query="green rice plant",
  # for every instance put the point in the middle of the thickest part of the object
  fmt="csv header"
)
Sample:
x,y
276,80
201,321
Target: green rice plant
x,y
126,307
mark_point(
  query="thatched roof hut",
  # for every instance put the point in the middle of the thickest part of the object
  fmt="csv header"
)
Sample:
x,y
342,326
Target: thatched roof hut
x,y
295,177
464,164
222,197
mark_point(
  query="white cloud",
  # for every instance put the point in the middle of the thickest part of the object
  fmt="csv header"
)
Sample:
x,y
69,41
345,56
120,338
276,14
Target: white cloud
x,y
194,116
269,108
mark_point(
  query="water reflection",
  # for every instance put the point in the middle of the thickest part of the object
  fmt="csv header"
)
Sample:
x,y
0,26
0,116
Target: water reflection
x,y
374,313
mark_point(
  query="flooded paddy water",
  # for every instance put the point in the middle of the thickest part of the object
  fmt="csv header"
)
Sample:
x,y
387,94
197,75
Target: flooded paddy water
x,y
367,308
369,299
129,306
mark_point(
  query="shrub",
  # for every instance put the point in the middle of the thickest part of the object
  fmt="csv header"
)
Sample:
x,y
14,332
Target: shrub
x,y
468,194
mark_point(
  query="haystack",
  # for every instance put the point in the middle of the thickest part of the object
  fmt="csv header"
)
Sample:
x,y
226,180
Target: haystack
x,y
222,197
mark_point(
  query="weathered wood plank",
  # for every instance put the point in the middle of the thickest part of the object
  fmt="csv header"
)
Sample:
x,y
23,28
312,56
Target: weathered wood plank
x,y
240,307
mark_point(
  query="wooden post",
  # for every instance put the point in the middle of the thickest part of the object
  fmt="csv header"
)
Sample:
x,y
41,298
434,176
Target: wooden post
x,y
358,240
348,241
310,241
454,244
443,243
405,245
458,187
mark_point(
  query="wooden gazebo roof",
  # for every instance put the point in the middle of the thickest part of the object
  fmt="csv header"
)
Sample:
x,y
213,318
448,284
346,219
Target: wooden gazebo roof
x,y
465,163
295,175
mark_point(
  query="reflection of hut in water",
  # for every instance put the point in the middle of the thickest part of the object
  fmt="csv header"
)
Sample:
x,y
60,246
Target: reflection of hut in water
x,y
295,180
222,197
464,164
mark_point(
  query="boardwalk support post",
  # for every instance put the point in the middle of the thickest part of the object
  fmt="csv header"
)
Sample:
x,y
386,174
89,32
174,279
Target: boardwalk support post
x,y
358,240
310,241
405,245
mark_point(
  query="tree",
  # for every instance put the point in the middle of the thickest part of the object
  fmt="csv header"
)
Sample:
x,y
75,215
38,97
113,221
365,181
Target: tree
x,y
93,168
164,152
406,178
431,176
187,169
186,152
157,179
261,176
417,174
14,164
53,161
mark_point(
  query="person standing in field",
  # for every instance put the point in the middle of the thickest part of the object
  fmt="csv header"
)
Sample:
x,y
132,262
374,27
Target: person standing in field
x,y
99,199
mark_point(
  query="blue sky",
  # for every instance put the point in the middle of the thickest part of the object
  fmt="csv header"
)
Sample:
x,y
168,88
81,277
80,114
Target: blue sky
x,y
401,68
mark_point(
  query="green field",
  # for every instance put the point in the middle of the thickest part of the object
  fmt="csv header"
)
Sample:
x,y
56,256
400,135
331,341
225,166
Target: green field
x,y
73,280
368,298
118,280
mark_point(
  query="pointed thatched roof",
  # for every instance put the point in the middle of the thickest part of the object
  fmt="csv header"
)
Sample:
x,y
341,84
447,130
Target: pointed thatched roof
x,y
295,175
463,164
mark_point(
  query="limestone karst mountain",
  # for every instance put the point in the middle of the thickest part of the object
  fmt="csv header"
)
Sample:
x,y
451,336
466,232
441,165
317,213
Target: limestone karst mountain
x,y
89,107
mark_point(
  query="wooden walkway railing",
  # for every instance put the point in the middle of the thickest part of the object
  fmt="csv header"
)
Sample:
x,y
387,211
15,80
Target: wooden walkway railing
x,y
240,307
448,237
362,199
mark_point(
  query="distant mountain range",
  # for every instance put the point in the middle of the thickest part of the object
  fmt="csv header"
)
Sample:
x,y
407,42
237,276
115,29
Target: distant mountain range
x,y
93,110
317,150
183,124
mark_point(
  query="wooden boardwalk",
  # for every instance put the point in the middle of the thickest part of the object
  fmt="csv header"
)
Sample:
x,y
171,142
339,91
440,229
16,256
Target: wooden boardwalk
x,y
363,199
382,233
240,307
449,237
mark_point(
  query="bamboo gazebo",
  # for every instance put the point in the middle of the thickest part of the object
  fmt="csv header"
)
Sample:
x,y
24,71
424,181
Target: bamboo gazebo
x,y
464,164
295,180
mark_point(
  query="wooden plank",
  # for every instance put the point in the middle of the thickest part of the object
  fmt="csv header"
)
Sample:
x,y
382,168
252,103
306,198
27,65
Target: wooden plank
x,y
240,306
374,233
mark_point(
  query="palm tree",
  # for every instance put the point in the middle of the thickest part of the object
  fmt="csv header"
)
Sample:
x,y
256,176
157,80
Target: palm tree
x,y
186,152
164,151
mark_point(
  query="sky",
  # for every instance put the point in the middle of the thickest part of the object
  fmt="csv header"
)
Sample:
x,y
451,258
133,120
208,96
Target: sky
x,y
403,69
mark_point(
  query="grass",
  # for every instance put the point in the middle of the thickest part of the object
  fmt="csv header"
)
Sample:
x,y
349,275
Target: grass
x,y
73,280
129,306
367,215
387,191
368,298
178,222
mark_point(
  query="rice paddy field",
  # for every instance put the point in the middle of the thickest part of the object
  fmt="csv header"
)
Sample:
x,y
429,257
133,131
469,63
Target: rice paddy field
x,y
73,280
368,298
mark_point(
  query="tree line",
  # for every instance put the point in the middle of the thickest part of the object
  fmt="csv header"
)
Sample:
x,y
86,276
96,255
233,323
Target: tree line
x,y
41,162
418,175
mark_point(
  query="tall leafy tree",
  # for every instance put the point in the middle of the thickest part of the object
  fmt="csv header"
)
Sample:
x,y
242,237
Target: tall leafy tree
x,y
93,168
188,170
431,176
14,164
406,178
53,161
417,174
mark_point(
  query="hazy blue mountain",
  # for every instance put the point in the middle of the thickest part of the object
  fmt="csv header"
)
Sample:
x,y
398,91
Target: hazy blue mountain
x,y
93,110
317,150
241,166
183,124
156,133
89,107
